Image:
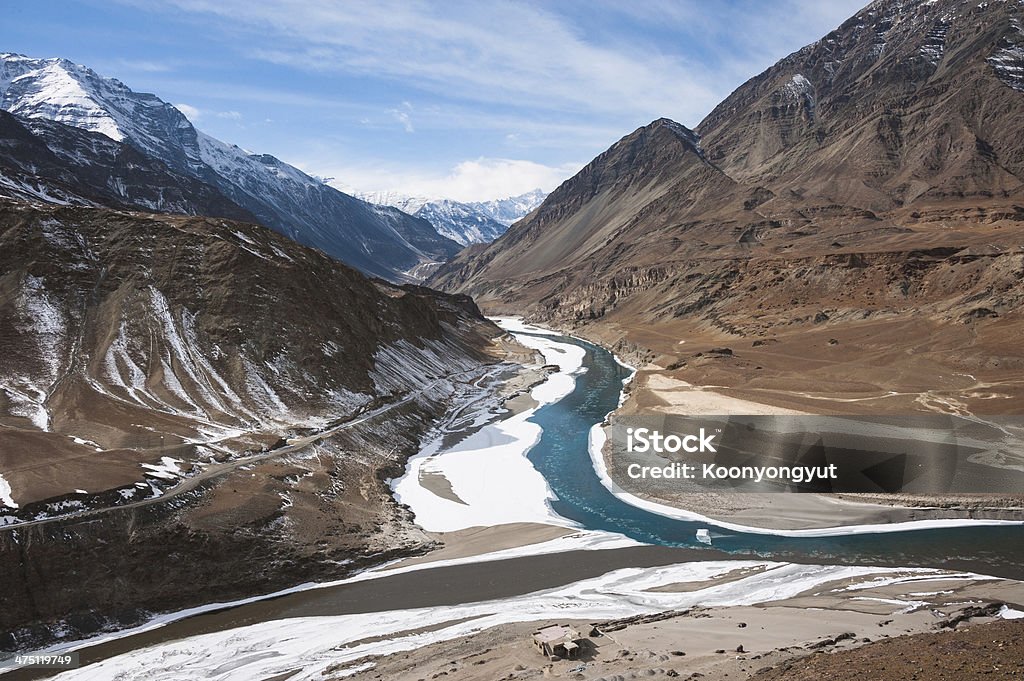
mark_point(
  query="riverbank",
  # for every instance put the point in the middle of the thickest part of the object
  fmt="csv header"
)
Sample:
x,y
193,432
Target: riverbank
x,y
650,615
715,644
313,509
536,569
653,390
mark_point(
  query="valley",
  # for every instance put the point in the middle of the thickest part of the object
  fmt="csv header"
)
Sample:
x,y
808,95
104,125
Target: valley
x,y
256,426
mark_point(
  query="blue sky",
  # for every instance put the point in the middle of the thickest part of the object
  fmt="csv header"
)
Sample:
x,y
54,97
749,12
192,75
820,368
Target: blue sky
x,y
469,100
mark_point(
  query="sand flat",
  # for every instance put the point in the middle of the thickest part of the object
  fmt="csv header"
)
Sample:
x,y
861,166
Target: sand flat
x,y
720,643
475,541
654,391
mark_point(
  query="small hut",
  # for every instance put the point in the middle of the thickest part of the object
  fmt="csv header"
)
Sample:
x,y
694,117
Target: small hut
x,y
558,640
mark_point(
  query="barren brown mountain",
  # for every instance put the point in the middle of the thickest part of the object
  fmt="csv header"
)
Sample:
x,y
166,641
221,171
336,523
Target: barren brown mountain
x,y
193,409
845,232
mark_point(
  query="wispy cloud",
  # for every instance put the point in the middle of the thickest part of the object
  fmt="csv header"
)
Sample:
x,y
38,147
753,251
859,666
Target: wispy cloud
x,y
483,52
191,112
195,114
403,116
736,39
403,89
144,66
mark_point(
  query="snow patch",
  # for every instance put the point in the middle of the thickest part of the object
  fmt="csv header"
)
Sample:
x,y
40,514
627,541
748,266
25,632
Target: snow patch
x,y
306,647
1008,62
167,469
934,44
5,494
598,438
489,471
1008,613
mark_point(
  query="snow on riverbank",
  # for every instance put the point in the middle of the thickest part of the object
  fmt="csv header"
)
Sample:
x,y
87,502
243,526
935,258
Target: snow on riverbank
x,y
517,325
598,437
578,541
490,474
492,482
304,647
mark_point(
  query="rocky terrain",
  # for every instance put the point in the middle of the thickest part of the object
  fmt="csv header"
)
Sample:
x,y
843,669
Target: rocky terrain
x,y
42,160
378,240
842,233
823,633
984,651
225,402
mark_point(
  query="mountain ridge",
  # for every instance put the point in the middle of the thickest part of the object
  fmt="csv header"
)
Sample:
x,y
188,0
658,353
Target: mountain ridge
x,y
382,243
467,223
931,85
46,160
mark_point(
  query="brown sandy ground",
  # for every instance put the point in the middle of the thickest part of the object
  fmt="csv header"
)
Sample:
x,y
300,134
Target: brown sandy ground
x,y
818,630
474,541
985,651
656,390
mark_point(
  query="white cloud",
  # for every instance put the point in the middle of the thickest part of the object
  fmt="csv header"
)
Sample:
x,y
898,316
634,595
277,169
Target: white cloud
x,y
484,52
192,113
195,114
488,178
144,66
403,116
472,180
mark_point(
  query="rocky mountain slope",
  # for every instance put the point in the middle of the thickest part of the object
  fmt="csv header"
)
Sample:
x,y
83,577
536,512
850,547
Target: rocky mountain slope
x,y
906,103
219,368
841,233
380,241
42,160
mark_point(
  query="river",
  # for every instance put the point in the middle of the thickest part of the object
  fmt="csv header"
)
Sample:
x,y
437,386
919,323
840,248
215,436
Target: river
x,y
562,457
307,628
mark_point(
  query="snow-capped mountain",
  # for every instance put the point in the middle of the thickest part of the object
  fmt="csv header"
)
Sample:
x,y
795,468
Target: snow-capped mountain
x,y
403,202
509,210
46,161
477,222
381,241
68,93
461,222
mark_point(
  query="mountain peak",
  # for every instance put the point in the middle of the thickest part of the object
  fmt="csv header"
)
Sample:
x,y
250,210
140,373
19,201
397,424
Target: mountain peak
x,y
61,90
382,243
677,129
881,95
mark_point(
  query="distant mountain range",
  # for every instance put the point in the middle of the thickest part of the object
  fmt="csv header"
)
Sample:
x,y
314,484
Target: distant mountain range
x,y
476,222
381,241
